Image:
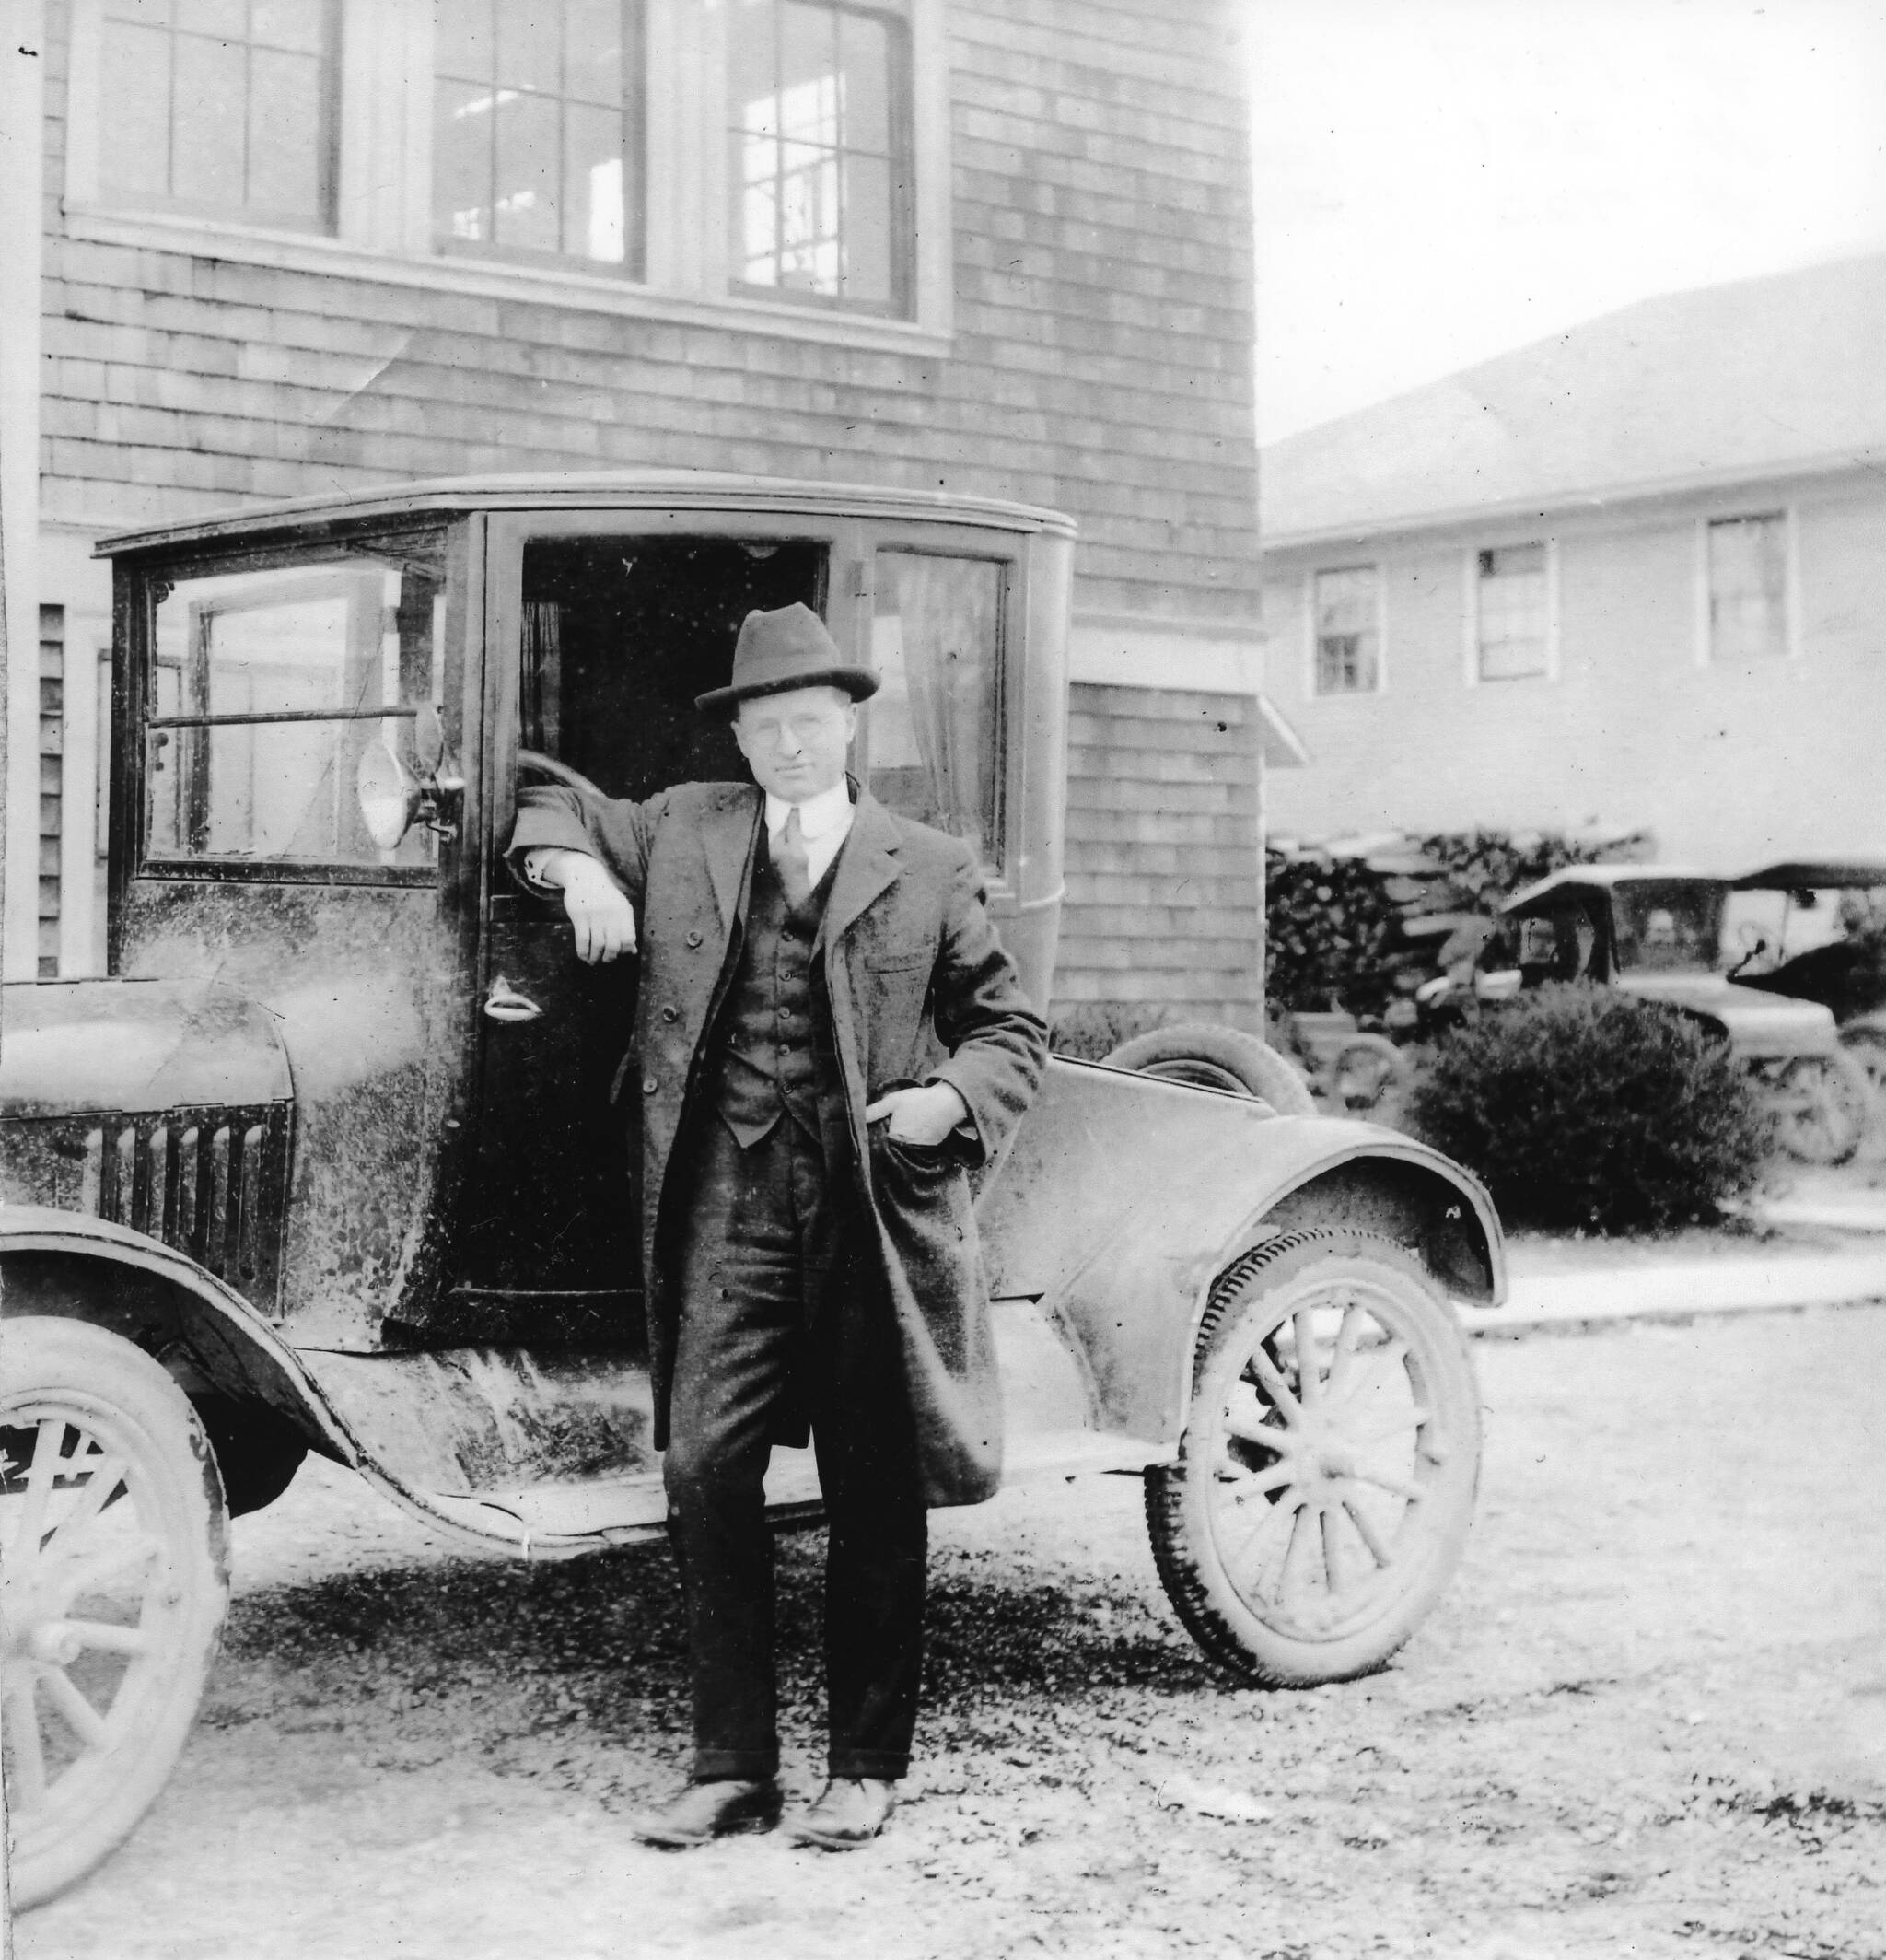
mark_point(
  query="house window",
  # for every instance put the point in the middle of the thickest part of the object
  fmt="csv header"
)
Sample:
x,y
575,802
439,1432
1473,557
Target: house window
x,y
221,107
1348,631
1747,589
778,160
1513,614
818,168
537,130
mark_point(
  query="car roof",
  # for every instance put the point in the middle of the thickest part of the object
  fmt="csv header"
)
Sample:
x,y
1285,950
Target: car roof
x,y
1581,878
1858,871
603,490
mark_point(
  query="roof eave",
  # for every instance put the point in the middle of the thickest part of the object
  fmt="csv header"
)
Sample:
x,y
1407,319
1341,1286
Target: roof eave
x,y
1574,503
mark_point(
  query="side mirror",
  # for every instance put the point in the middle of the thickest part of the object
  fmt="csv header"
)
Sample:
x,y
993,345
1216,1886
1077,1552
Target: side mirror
x,y
391,796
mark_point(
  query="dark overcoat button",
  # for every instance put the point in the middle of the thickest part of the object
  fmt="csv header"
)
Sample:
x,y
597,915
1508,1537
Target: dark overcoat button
x,y
670,1013
692,942
649,1085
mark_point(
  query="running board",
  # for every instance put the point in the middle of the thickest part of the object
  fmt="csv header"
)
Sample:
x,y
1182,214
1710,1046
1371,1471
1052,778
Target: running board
x,y
555,1518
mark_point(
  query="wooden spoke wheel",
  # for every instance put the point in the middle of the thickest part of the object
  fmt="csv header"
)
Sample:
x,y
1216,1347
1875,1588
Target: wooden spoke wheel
x,y
114,1552
1326,1479
1819,1106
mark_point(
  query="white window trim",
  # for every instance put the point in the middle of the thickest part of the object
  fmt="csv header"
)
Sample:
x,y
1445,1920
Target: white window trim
x,y
1312,691
384,169
1470,615
1791,578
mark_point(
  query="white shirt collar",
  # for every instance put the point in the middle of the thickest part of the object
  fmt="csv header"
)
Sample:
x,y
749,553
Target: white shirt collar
x,y
819,815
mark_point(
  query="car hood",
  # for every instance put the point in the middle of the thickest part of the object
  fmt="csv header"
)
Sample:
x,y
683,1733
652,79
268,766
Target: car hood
x,y
1756,1024
69,1047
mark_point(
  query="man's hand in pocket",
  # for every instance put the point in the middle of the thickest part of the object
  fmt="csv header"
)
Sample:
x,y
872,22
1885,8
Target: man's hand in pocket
x,y
924,1116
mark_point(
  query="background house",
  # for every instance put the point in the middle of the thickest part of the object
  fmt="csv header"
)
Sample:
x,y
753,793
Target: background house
x,y
1000,246
1633,575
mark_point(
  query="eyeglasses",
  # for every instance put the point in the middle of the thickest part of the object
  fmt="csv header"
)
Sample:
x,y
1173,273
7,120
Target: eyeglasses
x,y
802,729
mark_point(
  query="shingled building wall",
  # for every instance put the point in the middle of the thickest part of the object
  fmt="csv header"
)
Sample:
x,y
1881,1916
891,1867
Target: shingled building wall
x,y
1098,362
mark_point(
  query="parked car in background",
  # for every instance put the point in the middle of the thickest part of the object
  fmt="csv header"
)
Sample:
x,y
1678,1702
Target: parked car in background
x,y
1845,971
1657,931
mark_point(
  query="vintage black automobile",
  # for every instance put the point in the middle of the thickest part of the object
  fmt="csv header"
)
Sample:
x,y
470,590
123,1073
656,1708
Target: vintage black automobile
x,y
328,1162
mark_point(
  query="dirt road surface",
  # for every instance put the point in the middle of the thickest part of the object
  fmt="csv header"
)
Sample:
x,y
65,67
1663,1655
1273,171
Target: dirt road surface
x,y
1648,1720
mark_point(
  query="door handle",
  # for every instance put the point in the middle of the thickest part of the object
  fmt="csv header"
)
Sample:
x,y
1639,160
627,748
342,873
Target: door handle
x,y
506,1003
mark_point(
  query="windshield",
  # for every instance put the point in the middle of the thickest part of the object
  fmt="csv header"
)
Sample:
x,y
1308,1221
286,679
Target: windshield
x,y
265,687
1667,924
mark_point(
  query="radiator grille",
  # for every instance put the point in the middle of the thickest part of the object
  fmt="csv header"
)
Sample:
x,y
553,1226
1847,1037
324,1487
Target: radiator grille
x,y
210,1182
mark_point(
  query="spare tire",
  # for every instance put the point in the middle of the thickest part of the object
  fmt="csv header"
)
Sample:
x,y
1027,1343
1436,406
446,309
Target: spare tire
x,y
1210,1055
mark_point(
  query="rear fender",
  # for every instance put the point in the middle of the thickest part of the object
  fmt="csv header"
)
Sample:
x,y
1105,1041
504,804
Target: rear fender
x,y
1125,1196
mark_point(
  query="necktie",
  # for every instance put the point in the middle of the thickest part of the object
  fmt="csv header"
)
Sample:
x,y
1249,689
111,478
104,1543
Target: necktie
x,y
790,860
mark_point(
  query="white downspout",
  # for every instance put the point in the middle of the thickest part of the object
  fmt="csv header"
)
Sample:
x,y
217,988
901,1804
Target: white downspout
x,y
22,181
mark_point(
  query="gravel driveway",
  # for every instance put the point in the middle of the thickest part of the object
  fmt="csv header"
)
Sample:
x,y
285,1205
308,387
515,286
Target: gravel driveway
x,y
1650,1718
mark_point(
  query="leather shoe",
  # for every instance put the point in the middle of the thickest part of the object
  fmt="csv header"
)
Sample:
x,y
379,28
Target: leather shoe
x,y
851,1810
699,1811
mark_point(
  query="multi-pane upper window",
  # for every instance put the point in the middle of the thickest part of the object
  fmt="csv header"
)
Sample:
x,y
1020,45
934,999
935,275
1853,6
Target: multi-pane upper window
x,y
819,144
1513,614
1348,632
537,130
224,107
1747,589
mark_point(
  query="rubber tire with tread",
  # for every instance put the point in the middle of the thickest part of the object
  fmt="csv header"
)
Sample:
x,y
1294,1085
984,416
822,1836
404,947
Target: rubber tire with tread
x,y
1265,1286
97,1379
1209,1055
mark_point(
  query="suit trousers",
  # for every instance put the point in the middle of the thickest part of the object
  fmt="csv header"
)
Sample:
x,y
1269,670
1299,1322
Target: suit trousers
x,y
784,1316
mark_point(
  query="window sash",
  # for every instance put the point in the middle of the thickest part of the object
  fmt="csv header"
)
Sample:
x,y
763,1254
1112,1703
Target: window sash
x,y
1747,589
1513,610
232,95
798,170
1346,630
571,109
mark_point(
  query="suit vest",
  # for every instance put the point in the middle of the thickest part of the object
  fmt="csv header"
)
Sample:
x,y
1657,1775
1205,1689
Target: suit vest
x,y
772,1054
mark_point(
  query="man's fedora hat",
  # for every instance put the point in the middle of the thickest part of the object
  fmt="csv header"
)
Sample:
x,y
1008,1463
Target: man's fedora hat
x,y
789,647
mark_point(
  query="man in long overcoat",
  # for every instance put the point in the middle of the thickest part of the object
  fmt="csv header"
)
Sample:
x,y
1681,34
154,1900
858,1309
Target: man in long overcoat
x,y
828,1038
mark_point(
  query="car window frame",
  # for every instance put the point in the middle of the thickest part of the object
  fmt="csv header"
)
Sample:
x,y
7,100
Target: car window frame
x,y
140,584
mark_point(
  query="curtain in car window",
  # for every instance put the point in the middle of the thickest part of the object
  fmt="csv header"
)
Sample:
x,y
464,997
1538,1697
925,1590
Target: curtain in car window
x,y
936,734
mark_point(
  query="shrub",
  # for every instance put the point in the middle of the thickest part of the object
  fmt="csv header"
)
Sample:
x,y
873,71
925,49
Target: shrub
x,y
1582,1108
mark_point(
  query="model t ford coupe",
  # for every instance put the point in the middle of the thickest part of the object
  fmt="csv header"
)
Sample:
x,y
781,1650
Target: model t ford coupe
x,y
330,1161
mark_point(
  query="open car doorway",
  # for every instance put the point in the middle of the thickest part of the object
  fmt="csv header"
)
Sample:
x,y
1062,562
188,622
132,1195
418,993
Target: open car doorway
x,y
621,634
617,636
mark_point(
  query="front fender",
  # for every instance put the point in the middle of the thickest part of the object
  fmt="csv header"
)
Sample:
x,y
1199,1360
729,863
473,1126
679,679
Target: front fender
x,y
53,1261
1125,1196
